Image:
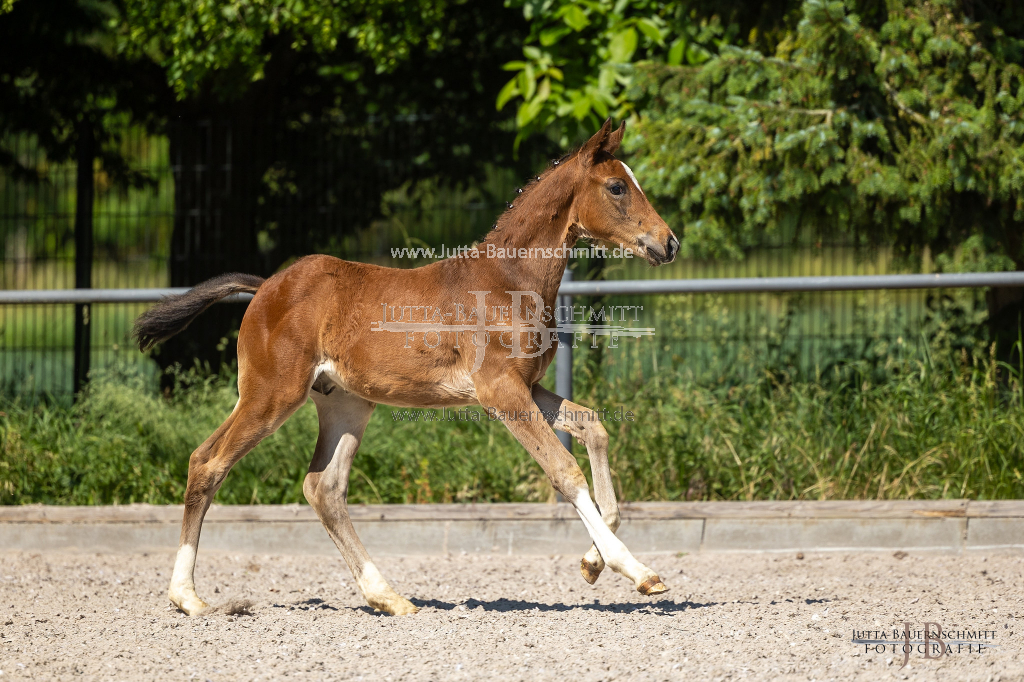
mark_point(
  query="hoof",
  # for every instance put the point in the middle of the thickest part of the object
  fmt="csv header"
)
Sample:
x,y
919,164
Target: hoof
x,y
395,607
406,608
652,586
190,605
590,572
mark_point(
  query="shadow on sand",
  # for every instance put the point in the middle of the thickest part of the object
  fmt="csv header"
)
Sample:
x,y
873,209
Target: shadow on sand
x,y
664,607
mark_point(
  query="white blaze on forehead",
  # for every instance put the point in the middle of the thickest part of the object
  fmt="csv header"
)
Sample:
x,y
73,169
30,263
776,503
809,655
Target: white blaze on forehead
x,y
632,177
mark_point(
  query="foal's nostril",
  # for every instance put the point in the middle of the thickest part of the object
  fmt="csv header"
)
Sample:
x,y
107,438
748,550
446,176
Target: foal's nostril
x,y
673,247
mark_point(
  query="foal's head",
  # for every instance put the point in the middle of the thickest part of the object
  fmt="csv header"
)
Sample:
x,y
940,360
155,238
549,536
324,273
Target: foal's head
x,y
611,206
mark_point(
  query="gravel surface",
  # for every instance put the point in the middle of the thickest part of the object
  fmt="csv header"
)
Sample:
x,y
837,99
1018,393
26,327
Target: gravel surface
x,y
726,616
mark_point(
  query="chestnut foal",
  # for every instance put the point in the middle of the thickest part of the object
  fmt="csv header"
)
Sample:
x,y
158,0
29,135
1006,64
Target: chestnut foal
x,y
308,334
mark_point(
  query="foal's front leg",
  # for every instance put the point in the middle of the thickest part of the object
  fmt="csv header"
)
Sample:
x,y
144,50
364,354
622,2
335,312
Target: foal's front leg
x,y
511,396
583,424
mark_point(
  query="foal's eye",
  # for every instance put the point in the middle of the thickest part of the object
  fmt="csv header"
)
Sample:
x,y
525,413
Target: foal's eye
x,y
617,189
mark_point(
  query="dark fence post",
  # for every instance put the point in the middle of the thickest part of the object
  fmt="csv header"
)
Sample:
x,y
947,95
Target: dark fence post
x,y
563,354
84,191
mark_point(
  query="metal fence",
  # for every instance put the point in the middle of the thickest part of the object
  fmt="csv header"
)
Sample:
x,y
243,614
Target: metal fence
x,y
149,238
570,289
131,229
216,200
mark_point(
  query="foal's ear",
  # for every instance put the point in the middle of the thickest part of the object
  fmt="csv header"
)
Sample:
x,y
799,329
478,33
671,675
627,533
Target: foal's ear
x,y
604,140
611,145
598,143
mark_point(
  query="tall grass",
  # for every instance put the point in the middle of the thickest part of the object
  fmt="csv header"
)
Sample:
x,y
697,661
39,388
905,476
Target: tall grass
x,y
939,425
948,427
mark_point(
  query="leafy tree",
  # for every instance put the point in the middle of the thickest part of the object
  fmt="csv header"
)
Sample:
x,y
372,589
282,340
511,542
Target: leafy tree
x,y
910,134
62,80
223,43
578,59
294,82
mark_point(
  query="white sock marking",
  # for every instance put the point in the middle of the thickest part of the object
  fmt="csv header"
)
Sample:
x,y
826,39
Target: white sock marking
x,y
184,566
371,582
615,554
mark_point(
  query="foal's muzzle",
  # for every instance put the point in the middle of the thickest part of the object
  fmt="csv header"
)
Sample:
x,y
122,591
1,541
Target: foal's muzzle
x,y
658,253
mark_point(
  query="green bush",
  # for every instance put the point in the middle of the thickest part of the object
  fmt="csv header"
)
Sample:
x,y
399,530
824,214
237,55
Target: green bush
x,y
948,428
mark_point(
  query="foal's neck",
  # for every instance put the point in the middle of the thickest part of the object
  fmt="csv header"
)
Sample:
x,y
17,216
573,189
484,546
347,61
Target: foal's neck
x,y
540,220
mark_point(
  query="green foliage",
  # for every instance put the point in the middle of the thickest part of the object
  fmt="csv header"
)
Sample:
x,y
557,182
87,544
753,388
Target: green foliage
x,y
939,424
62,80
192,41
73,70
910,134
578,59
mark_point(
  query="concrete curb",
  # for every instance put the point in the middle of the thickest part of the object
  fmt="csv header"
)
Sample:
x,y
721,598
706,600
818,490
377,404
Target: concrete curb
x,y
944,526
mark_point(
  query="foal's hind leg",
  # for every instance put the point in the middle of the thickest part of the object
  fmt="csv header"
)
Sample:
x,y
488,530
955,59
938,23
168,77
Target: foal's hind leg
x,y
257,415
343,418
583,424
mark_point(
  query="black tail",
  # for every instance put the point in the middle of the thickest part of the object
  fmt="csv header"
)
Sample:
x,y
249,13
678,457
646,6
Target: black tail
x,y
174,313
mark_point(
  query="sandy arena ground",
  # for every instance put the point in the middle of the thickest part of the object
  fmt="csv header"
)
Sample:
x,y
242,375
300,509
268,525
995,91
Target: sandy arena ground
x,y
737,616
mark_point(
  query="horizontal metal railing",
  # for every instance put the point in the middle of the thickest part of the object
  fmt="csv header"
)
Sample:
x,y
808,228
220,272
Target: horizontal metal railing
x,y
599,288
792,284
55,296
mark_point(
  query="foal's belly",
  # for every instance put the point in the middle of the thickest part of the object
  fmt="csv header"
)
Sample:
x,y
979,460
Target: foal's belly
x,y
416,369
401,389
